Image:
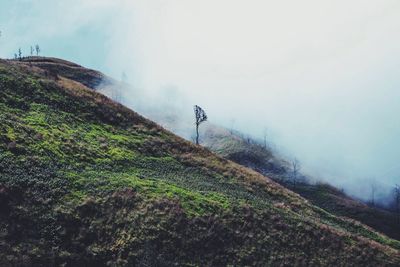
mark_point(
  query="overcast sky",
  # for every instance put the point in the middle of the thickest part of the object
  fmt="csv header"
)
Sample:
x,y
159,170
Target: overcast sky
x,y
323,76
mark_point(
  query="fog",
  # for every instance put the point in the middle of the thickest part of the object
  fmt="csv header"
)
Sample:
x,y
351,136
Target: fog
x,y
322,76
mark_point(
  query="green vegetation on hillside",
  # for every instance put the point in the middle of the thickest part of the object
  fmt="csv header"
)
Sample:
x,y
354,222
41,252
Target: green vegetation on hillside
x,y
86,181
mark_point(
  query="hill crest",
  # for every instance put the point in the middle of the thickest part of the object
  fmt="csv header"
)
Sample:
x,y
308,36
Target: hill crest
x,y
86,180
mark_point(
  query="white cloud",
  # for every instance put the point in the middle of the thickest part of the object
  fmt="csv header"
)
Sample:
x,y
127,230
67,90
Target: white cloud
x,y
322,74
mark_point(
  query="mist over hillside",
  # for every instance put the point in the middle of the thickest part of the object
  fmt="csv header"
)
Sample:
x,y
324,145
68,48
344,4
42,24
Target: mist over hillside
x,y
321,76
325,86
199,133
176,115
86,181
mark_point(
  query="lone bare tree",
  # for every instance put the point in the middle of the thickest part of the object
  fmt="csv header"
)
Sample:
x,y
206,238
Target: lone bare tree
x,y
37,49
295,171
373,192
200,116
397,201
19,54
32,50
248,139
265,135
232,125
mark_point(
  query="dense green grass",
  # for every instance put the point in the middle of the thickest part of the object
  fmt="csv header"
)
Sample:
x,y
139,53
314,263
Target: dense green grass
x,y
86,181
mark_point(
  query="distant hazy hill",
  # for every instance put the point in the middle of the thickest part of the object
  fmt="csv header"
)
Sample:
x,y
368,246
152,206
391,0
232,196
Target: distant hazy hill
x,y
85,181
244,150
253,155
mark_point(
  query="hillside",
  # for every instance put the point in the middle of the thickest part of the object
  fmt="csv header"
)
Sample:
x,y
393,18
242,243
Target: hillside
x,y
327,197
85,181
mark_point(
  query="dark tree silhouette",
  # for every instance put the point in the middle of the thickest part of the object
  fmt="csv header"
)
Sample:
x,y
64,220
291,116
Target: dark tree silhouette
x,y
265,135
248,139
200,116
37,49
32,50
19,54
397,201
373,192
295,171
232,126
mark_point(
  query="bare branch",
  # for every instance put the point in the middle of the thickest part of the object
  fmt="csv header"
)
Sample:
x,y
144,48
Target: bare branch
x,y
295,170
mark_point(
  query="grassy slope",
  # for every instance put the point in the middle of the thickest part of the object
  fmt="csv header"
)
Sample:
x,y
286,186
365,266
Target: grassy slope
x,y
327,197
334,201
84,180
